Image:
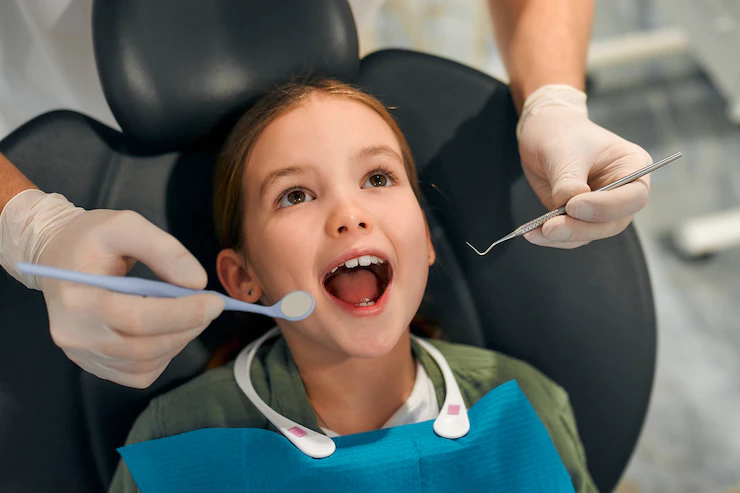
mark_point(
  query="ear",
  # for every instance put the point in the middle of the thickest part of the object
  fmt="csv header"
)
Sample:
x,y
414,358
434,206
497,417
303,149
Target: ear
x,y
237,276
430,246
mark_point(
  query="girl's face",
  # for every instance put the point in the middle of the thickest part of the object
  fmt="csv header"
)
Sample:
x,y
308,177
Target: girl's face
x,y
330,210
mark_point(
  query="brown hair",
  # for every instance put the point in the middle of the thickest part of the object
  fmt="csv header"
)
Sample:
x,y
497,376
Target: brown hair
x,y
228,197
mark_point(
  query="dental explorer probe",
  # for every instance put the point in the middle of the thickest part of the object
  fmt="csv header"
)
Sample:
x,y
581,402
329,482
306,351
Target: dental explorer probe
x,y
536,223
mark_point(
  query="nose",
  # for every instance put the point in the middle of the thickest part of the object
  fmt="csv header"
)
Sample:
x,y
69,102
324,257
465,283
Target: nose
x,y
348,219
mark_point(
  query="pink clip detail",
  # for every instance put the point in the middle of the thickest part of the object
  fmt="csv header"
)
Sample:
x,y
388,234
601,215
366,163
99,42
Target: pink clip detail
x,y
297,431
453,409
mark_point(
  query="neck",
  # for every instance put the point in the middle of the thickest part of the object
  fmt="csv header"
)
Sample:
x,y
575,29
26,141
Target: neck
x,y
353,395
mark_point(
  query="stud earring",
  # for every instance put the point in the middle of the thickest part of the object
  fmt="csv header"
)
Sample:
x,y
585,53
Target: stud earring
x,y
250,292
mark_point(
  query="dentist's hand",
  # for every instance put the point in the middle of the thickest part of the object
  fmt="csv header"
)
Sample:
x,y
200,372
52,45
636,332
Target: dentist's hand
x,y
126,339
565,156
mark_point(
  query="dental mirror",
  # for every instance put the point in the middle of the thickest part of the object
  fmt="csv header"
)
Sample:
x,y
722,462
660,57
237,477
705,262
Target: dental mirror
x,y
294,306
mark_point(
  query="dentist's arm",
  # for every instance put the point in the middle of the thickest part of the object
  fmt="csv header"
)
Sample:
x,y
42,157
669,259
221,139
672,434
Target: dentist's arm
x,y
127,339
544,44
12,181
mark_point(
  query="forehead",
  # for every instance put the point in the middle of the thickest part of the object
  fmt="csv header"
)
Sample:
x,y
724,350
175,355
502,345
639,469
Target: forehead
x,y
323,126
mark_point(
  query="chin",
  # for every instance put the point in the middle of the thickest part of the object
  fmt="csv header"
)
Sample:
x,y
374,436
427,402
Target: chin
x,y
371,343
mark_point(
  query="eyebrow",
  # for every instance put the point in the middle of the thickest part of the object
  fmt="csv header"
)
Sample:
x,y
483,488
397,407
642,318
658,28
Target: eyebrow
x,y
371,151
268,182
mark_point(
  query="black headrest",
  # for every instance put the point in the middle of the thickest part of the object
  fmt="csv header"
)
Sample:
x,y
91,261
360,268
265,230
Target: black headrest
x,y
170,77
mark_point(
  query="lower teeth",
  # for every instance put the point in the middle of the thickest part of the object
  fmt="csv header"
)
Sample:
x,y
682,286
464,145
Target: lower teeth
x,y
366,303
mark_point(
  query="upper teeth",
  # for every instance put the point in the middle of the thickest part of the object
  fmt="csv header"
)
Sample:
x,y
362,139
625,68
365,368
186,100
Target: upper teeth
x,y
364,261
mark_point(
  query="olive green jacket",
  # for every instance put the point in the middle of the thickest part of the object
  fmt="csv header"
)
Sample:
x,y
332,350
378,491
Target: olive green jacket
x,y
213,400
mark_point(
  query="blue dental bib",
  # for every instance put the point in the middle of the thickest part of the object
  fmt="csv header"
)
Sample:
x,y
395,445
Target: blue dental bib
x,y
506,450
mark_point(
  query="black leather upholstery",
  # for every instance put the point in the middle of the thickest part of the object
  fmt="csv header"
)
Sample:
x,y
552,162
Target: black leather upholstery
x,y
175,73
172,71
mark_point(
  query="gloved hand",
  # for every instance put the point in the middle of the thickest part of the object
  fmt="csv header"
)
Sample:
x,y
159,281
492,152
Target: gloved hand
x,y
565,155
126,339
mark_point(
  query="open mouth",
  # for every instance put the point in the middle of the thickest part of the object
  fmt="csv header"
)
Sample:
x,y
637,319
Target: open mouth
x,y
359,281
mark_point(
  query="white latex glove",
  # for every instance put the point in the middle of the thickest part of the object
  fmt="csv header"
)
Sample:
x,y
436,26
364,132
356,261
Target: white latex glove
x,y
565,156
127,339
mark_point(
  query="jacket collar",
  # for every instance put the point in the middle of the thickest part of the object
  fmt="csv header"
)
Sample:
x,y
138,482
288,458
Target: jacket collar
x,y
277,381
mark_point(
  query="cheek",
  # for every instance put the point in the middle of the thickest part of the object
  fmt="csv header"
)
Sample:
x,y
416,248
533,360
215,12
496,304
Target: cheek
x,y
409,232
280,250
289,240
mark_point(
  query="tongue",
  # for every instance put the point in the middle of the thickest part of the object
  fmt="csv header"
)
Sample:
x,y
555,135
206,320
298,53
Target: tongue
x,y
355,286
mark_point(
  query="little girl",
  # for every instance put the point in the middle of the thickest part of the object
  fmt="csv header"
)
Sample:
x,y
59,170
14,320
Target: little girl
x,y
317,190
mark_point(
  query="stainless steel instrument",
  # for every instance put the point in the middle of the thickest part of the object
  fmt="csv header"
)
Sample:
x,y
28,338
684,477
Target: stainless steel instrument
x,y
536,223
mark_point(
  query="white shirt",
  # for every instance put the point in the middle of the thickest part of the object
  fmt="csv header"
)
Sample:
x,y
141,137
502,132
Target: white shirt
x,y
420,406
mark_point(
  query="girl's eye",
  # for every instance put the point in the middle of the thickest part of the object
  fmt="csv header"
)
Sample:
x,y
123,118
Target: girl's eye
x,y
294,197
379,179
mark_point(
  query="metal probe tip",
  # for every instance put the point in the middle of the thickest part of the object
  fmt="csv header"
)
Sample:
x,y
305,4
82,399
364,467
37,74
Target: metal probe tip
x,y
474,249
507,237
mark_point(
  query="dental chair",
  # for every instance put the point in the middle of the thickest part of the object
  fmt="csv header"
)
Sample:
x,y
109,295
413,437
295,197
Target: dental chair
x,y
176,74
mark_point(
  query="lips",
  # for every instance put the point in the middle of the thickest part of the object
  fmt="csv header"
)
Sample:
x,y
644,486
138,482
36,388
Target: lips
x,y
358,279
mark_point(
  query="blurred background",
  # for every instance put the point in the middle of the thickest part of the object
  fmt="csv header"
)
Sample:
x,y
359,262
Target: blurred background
x,y
664,74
